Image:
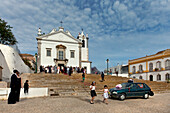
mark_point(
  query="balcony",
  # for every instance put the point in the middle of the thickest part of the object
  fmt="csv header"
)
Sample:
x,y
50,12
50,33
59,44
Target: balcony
x,y
140,71
167,68
55,60
158,69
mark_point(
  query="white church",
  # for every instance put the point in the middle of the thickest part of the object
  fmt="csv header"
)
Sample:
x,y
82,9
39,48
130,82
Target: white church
x,y
60,48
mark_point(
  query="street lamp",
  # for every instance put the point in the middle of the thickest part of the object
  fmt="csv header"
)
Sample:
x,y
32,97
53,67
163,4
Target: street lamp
x,y
35,62
107,65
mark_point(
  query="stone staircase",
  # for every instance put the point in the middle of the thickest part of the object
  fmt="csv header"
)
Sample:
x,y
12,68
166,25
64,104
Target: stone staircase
x,y
64,85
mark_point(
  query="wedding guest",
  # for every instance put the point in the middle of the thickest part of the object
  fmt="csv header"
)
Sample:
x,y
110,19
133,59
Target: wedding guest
x,y
26,87
13,84
18,87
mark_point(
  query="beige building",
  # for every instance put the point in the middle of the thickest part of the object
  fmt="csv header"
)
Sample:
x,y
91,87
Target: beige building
x,y
153,67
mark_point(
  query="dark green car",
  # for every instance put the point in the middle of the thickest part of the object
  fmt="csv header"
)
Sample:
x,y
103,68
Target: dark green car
x,y
131,90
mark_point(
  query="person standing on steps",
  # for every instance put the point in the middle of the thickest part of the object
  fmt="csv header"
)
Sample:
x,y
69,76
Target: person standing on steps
x,y
92,91
13,84
102,76
83,76
70,71
26,87
18,87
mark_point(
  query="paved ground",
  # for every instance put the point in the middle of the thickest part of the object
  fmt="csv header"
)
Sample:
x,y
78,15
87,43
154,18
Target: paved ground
x,y
160,103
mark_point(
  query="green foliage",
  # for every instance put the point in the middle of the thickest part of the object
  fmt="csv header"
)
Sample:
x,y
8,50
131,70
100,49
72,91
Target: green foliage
x,y
6,35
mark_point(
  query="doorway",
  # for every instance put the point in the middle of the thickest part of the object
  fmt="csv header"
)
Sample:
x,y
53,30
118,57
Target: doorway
x,y
151,77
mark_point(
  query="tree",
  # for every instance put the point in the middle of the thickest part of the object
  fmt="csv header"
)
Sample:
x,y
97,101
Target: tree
x,y
6,35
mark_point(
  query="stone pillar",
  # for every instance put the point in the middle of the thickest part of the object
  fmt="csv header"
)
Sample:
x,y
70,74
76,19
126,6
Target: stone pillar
x,y
39,57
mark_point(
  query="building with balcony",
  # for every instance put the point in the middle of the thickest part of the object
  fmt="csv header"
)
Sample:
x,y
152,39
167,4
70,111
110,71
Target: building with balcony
x,y
60,48
153,67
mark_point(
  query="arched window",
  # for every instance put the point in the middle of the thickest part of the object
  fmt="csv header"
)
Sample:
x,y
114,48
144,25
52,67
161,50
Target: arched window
x,y
83,43
158,65
133,69
167,64
140,77
158,77
167,76
150,66
140,68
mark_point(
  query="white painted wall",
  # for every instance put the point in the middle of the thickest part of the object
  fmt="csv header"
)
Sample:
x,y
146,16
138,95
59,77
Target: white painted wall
x,y
11,61
84,56
46,60
6,74
120,75
33,92
137,66
88,65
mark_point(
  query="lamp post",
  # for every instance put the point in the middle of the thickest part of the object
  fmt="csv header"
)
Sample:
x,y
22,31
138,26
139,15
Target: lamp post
x,y
35,62
107,65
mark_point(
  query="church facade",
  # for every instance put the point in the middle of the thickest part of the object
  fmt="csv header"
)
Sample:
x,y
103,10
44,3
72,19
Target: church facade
x,y
60,48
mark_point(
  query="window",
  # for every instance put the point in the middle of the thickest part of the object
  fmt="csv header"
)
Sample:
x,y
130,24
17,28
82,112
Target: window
x,y
61,55
133,69
72,53
158,77
167,64
48,51
140,77
158,65
140,68
83,43
167,76
150,66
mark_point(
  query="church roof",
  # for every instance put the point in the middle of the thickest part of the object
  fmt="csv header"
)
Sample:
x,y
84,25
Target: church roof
x,y
53,32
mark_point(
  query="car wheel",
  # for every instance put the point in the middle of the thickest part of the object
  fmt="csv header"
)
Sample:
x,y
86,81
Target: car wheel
x,y
122,97
146,96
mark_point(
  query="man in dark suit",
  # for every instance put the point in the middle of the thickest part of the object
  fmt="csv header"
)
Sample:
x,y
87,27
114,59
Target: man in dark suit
x,y
13,85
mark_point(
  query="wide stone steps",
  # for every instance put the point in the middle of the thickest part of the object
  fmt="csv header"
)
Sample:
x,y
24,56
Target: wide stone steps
x,y
64,85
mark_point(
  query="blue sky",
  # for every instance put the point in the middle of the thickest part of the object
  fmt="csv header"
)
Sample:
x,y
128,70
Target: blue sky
x,y
118,29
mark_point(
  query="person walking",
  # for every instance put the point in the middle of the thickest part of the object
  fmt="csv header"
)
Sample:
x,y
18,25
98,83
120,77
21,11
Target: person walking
x,y
13,84
83,76
92,91
18,87
102,76
70,71
26,87
105,94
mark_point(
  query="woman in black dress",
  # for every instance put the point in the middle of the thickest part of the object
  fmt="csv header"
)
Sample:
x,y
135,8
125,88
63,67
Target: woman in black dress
x,y
18,88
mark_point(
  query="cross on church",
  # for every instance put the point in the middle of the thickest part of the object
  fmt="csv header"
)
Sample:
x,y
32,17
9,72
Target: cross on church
x,y
61,23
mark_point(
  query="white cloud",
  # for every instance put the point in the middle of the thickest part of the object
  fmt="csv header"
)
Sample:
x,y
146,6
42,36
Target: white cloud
x,y
119,28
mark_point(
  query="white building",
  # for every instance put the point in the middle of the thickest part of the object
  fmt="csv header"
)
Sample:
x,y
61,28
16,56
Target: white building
x,y
60,48
10,60
154,67
119,70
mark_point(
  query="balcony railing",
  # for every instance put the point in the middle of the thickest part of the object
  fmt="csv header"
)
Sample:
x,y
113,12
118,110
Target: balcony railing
x,y
167,68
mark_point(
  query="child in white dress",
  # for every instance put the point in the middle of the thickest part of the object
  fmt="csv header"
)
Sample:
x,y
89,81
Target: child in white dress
x,y
105,94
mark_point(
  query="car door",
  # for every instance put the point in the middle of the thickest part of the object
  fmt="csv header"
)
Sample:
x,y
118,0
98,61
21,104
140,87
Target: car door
x,y
132,90
140,89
